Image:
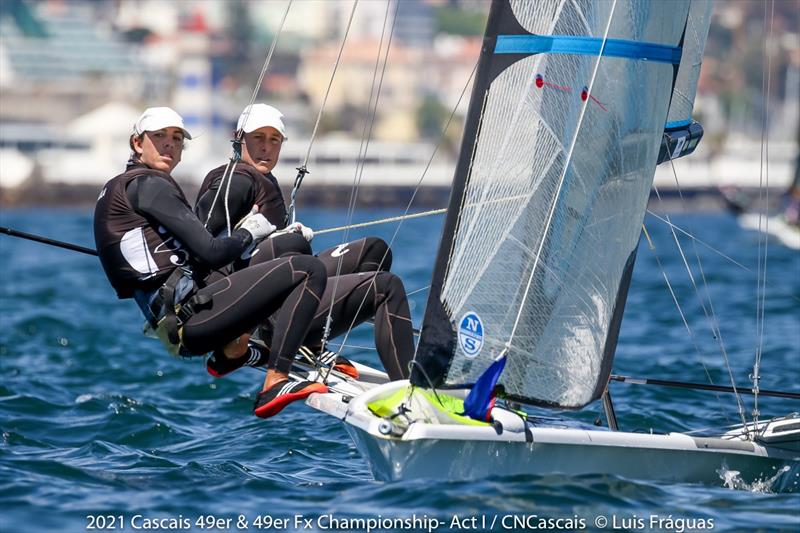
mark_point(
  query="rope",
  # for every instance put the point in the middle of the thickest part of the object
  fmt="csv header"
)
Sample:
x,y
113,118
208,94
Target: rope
x,y
231,164
421,289
417,215
302,170
763,185
236,154
668,223
381,221
362,154
414,194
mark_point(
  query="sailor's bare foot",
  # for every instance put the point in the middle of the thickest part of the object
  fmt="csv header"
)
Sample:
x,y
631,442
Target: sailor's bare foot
x,y
237,347
273,377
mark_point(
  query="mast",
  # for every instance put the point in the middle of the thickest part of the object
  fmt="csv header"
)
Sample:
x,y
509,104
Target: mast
x,y
557,159
436,335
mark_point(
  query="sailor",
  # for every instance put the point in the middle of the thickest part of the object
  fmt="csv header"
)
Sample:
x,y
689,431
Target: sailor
x,y
252,182
155,250
791,206
364,289
791,198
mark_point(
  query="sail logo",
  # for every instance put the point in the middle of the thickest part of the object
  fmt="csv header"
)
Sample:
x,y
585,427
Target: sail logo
x,y
470,334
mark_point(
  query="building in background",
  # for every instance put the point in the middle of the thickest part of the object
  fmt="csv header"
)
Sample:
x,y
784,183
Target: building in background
x,y
63,60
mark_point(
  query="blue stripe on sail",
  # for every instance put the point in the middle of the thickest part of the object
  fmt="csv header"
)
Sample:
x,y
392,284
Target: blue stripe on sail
x,y
570,44
677,124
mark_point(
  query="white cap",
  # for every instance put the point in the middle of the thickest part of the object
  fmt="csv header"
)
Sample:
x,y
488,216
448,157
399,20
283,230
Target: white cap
x,y
260,115
158,118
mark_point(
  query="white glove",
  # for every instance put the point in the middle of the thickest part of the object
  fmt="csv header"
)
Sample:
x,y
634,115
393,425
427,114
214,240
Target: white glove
x,y
305,231
258,226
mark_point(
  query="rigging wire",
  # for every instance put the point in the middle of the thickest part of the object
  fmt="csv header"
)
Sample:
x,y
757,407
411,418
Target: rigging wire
x,y
425,288
668,223
707,311
763,185
760,279
680,312
372,111
416,189
381,221
236,154
710,315
715,250
363,348
302,170
561,179
362,155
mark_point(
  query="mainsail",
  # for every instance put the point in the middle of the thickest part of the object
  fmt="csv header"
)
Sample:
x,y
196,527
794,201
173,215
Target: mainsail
x,y
694,43
557,160
681,133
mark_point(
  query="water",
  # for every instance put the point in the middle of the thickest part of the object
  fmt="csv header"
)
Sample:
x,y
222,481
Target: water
x,y
97,420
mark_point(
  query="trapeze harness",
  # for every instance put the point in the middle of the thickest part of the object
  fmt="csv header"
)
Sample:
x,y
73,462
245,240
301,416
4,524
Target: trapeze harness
x,y
144,261
248,187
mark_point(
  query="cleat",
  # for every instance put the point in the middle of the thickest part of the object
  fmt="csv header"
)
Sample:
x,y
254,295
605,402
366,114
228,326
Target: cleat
x,y
340,364
271,401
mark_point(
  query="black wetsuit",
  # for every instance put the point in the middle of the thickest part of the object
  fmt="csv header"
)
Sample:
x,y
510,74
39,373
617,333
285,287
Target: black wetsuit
x,y
145,229
357,298
249,187
364,288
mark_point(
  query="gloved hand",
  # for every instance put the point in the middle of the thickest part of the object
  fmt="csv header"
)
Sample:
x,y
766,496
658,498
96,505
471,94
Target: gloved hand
x,y
256,224
305,231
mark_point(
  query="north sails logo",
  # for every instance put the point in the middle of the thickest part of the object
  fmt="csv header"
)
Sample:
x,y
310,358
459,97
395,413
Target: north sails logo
x,y
340,250
470,334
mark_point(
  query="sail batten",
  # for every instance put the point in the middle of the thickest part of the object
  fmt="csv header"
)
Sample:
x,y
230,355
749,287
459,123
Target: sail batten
x,y
572,133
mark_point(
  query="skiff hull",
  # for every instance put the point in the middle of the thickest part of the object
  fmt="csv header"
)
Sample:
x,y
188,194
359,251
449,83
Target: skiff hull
x,y
776,226
514,447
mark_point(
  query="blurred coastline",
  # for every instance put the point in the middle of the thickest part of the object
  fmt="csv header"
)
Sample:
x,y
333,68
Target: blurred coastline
x,y
75,74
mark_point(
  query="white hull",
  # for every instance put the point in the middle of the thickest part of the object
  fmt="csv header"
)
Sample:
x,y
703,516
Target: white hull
x,y
449,451
775,226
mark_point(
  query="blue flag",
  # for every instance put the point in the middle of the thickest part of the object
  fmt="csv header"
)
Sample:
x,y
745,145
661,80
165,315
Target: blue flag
x,y
480,400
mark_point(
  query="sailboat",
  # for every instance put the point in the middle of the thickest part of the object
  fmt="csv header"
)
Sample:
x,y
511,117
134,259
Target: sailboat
x,y
573,105
773,225
778,226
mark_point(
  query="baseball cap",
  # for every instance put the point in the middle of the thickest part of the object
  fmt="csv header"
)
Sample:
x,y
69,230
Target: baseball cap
x,y
157,118
260,115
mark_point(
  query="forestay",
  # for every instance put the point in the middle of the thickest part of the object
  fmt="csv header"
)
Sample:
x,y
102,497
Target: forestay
x,y
558,156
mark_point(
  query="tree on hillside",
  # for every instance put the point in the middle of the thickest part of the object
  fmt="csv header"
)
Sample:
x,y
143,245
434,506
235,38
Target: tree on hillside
x,y
431,117
459,22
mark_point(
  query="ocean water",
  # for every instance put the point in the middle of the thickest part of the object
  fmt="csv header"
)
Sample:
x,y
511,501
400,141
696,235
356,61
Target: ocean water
x,y
102,430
